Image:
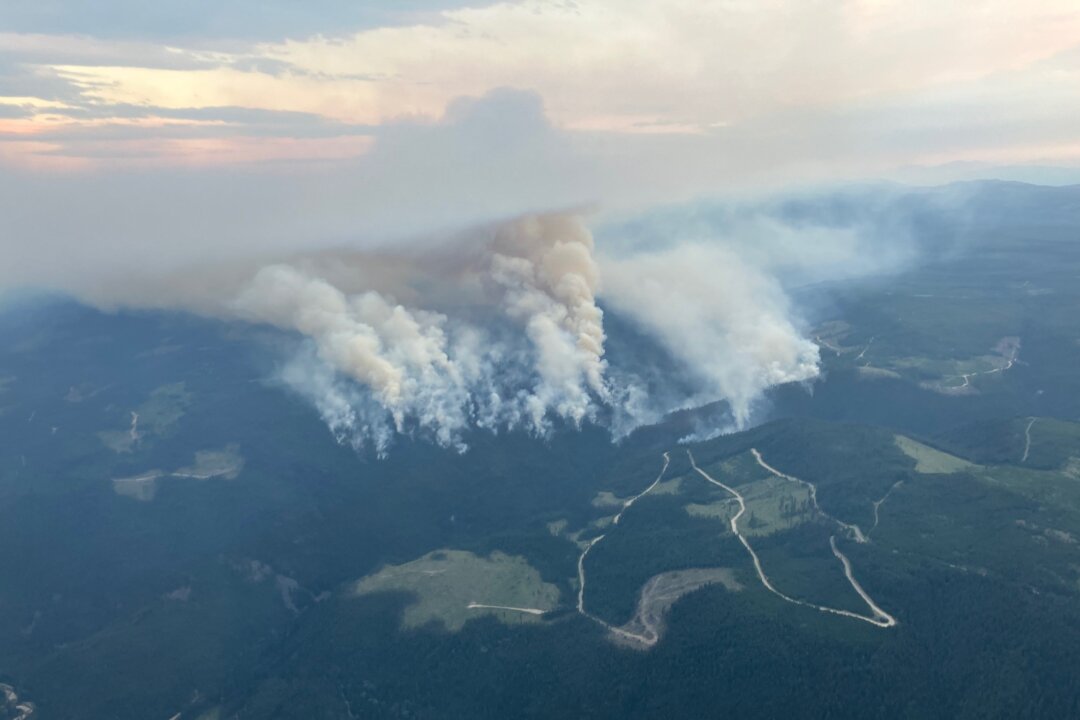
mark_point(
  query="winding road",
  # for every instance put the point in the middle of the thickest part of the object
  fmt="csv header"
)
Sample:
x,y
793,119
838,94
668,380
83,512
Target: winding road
x,y
860,355
1009,362
134,432
651,636
1027,440
481,606
880,618
878,504
856,533
646,640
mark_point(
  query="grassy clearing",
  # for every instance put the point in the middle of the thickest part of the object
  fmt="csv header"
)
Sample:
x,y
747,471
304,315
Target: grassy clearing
x,y
876,373
225,463
607,499
139,487
556,527
772,505
832,335
737,471
668,487
602,522
952,376
119,441
720,510
929,461
446,582
156,417
164,408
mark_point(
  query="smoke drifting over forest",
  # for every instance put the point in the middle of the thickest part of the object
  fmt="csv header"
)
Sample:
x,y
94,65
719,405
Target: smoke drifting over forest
x,y
501,330
234,145
502,326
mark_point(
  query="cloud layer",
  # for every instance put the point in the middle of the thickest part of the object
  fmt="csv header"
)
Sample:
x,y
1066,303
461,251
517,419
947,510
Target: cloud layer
x,y
888,82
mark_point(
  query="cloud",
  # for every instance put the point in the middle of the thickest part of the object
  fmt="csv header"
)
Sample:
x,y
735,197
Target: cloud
x,y
724,63
858,69
279,182
492,157
233,19
747,95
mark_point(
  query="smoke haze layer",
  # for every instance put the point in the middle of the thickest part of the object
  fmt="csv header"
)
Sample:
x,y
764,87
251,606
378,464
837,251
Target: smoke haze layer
x,y
502,327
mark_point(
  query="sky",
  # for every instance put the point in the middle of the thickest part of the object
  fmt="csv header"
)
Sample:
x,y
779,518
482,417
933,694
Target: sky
x,y
149,133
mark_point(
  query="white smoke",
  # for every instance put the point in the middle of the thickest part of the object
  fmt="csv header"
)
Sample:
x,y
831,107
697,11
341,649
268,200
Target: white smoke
x,y
500,328
400,356
439,370
545,266
437,373
726,322
352,416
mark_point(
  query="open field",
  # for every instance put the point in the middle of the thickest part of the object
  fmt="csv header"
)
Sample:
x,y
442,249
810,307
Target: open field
x,y
225,463
930,461
155,417
138,487
772,505
447,582
668,487
164,408
607,499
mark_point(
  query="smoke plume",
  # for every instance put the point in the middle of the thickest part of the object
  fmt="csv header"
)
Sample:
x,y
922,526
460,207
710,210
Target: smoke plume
x,y
726,322
502,327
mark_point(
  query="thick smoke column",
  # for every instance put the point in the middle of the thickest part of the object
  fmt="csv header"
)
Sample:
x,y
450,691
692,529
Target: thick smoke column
x,y
546,267
400,356
440,373
725,321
